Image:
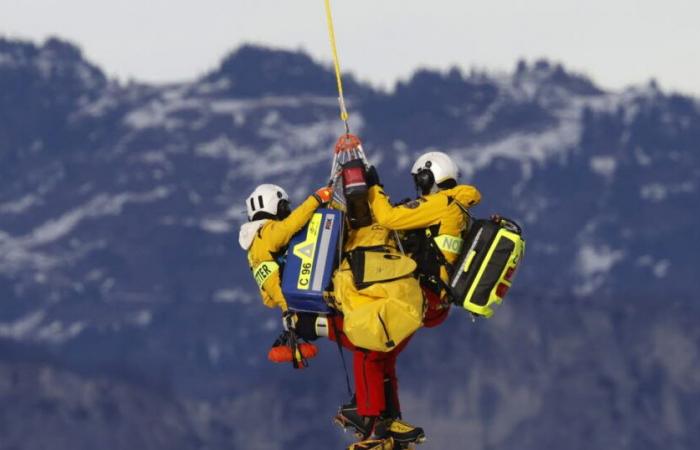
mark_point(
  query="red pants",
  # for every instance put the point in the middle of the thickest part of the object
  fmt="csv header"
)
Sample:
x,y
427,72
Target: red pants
x,y
436,311
371,369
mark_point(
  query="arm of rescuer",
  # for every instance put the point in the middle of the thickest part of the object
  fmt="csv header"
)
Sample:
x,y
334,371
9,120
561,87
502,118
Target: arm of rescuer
x,y
276,234
420,213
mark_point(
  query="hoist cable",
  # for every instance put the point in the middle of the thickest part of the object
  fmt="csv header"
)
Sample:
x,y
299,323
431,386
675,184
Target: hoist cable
x,y
336,63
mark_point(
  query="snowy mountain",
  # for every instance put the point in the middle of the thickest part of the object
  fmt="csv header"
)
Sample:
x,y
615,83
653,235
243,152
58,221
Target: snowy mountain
x,y
128,318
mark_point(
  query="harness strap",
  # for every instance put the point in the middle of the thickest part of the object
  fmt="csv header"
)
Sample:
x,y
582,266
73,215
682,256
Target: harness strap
x,y
298,359
438,252
342,355
448,243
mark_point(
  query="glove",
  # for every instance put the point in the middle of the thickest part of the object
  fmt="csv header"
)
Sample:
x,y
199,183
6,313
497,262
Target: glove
x,y
324,195
412,241
372,177
289,320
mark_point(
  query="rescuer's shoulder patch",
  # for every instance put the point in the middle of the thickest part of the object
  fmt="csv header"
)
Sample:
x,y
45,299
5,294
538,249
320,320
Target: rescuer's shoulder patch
x,y
413,204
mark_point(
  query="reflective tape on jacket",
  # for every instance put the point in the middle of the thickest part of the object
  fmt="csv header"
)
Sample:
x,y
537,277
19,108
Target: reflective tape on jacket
x,y
263,271
449,243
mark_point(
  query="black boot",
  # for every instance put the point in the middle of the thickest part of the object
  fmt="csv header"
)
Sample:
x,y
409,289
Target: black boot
x,y
391,426
349,418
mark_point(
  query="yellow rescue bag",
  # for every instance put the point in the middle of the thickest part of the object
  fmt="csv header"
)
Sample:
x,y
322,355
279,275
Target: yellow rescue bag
x,y
377,264
380,316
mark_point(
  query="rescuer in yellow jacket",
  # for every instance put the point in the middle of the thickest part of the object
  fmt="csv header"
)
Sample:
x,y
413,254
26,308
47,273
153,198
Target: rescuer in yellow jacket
x,y
270,228
432,224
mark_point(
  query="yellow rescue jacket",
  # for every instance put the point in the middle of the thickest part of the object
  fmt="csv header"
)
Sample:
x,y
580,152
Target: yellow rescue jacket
x,y
439,208
265,240
380,315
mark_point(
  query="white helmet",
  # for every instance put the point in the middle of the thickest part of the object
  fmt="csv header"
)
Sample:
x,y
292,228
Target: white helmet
x,y
266,198
431,169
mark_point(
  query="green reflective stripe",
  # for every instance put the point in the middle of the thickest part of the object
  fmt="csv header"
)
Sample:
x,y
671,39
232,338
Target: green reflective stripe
x,y
263,271
448,243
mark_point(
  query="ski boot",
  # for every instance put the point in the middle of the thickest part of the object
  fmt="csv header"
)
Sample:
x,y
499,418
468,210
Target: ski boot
x,y
349,418
401,432
374,444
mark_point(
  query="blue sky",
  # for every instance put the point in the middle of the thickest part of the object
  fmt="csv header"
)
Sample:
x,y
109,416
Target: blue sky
x,y
618,42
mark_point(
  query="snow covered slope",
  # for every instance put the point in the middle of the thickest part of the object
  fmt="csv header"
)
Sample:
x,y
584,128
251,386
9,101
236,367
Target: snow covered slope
x,y
120,271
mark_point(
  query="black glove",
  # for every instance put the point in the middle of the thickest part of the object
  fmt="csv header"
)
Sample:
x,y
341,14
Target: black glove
x,y
372,177
412,240
305,326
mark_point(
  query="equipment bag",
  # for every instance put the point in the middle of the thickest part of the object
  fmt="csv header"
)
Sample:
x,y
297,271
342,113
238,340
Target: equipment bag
x,y
380,316
484,272
311,257
371,265
356,192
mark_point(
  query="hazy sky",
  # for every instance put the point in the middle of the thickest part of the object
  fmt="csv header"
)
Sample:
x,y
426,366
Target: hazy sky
x,y
618,42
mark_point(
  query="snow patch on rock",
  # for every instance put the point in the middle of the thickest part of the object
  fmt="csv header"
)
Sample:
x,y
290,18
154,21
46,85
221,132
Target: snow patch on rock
x,y
20,205
234,295
658,192
22,327
525,148
21,252
604,166
592,266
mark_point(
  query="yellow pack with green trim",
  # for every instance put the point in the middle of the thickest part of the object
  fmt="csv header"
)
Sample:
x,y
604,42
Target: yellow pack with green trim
x,y
493,250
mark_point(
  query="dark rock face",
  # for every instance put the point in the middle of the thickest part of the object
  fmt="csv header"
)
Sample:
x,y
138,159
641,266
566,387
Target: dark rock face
x,y
254,72
128,317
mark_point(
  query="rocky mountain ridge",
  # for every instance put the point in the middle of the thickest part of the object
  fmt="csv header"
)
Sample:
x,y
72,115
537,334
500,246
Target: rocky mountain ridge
x,y
119,268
